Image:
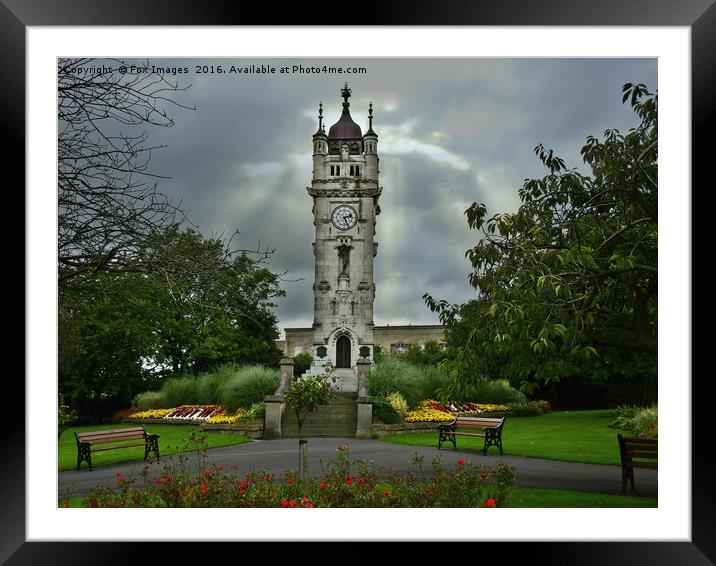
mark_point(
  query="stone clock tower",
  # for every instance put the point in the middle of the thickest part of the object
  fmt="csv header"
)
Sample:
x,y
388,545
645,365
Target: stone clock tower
x,y
345,192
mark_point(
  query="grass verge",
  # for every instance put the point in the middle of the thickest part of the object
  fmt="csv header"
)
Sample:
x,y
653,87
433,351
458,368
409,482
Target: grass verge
x,y
172,440
573,436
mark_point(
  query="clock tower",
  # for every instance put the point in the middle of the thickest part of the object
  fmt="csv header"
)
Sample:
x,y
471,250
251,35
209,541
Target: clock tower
x,y
345,194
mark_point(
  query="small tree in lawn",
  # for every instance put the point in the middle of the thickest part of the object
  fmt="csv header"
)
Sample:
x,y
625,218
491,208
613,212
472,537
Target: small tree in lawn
x,y
305,396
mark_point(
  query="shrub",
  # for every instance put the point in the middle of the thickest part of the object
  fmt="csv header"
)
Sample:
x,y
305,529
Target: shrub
x,y
525,409
432,381
646,420
149,400
397,401
256,411
394,375
384,410
544,405
302,362
498,391
643,421
249,385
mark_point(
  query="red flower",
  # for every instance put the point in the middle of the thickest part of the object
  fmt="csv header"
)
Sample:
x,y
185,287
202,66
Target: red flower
x,y
349,481
292,503
284,503
321,485
386,492
220,467
121,480
160,481
185,491
169,479
489,503
268,477
118,474
461,462
483,476
289,482
233,466
361,481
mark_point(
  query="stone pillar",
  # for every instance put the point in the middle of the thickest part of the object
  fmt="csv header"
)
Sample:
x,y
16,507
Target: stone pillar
x,y
275,404
363,366
272,420
365,417
287,367
365,401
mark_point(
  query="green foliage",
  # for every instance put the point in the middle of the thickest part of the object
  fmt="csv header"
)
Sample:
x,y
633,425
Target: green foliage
x,y
307,394
302,363
499,392
196,306
179,391
150,400
378,353
384,410
230,385
429,354
568,283
257,411
414,383
642,421
247,386
530,409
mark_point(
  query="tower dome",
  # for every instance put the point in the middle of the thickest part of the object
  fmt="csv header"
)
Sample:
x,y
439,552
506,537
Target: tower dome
x,y
345,130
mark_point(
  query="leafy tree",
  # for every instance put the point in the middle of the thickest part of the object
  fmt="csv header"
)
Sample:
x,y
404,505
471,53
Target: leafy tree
x,y
568,284
429,354
305,396
211,310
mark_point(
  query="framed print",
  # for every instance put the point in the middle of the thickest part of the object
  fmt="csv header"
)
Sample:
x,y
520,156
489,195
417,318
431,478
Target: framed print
x,y
432,51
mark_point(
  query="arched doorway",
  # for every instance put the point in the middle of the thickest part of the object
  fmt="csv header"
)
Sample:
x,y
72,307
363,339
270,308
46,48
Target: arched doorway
x,y
343,352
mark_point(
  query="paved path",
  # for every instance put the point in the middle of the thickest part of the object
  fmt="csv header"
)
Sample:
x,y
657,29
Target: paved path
x,y
280,455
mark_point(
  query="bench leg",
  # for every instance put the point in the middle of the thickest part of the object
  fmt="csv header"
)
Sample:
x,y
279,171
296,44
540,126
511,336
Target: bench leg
x,y
492,438
445,437
84,455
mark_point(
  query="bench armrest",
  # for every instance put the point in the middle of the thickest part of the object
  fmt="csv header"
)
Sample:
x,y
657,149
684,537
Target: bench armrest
x,y
152,436
448,426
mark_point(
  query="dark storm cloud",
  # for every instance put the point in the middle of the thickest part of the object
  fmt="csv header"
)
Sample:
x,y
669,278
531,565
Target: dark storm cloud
x,y
452,131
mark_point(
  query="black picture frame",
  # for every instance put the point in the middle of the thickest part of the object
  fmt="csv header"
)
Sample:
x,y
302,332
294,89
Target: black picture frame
x,y
699,15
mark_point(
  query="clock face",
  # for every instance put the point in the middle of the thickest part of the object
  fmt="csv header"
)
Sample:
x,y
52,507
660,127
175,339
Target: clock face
x,y
344,217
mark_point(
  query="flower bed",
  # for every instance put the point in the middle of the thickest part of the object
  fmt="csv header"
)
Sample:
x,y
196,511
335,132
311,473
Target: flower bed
x,y
432,411
183,413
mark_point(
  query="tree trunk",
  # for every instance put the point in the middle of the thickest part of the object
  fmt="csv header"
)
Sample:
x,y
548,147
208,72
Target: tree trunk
x,y
303,466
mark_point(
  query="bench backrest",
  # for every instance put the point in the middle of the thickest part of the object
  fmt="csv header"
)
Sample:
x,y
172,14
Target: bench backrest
x,y
632,447
114,435
479,422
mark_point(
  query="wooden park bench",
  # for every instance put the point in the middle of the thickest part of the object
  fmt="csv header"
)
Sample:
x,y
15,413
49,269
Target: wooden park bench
x,y
491,427
86,442
631,447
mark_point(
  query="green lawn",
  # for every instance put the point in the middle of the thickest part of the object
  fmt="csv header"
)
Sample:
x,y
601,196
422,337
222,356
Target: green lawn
x,y
172,439
575,436
536,497
539,497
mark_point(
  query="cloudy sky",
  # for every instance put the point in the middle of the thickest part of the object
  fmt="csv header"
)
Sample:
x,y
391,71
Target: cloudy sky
x,y
451,132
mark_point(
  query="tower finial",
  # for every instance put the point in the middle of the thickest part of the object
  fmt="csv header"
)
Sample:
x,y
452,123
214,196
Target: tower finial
x,y
346,94
370,115
320,116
